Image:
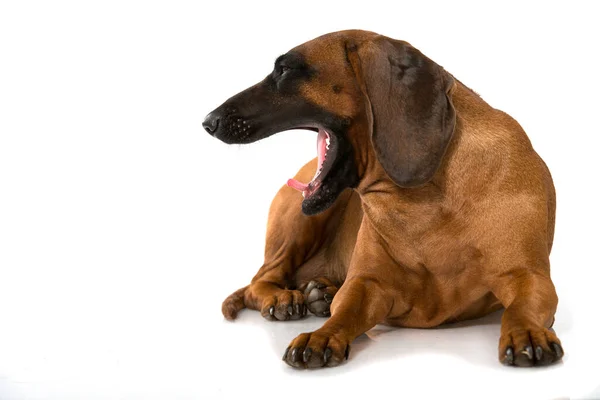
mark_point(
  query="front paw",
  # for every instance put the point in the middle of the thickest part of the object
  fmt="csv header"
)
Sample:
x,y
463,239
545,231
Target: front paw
x,y
285,305
530,347
317,350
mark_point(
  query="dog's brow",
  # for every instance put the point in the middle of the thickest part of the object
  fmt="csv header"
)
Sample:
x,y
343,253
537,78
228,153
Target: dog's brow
x,y
284,59
280,59
292,59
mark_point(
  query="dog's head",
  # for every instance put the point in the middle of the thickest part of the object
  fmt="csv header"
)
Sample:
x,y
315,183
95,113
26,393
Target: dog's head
x,y
370,98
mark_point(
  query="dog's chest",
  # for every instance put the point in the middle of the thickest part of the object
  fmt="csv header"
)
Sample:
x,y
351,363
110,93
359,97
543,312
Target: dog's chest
x,y
443,271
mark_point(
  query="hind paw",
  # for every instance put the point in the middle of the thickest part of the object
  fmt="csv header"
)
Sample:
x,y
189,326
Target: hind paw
x,y
319,294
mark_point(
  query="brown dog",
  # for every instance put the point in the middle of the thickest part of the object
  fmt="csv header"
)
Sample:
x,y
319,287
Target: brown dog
x,y
428,206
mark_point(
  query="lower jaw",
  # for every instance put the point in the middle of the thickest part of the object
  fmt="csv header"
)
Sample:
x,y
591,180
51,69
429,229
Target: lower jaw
x,y
318,201
311,190
310,207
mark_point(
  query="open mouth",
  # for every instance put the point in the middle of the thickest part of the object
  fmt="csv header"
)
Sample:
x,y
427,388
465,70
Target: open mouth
x,y
326,149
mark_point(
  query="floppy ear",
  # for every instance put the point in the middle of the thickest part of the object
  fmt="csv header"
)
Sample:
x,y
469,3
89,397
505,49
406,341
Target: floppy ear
x,y
412,116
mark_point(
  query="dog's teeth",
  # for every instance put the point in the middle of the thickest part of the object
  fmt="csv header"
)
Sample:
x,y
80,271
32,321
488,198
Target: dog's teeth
x,y
327,140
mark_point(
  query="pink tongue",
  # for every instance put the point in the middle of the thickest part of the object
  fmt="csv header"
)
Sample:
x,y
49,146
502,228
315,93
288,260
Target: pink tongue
x,y
321,150
297,185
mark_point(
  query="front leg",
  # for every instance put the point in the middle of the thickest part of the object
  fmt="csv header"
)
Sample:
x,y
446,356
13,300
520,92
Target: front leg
x,y
363,301
268,294
275,303
357,307
526,335
292,238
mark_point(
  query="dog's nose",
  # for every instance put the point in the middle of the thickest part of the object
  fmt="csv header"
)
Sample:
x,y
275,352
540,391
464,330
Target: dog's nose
x,y
211,123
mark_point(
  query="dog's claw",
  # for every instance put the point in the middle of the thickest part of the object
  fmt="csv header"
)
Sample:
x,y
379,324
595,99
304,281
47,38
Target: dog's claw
x,y
295,355
347,352
509,357
539,352
299,309
290,310
558,350
306,354
272,310
528,351
286,353
327,355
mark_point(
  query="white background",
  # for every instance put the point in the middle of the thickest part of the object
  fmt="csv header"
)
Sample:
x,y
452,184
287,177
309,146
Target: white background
x,y
123,225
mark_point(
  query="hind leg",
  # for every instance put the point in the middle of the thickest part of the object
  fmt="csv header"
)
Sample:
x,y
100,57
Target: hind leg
x,y
293,239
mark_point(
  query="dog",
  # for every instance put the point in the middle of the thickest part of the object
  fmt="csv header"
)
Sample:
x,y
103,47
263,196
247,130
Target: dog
x,y
424,205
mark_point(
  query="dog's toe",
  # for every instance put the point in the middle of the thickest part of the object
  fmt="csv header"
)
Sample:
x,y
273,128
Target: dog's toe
x,y
316,350
530,347
286,305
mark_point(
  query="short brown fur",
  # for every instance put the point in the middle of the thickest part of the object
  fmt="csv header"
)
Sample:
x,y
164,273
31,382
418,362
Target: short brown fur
x,y
475,237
